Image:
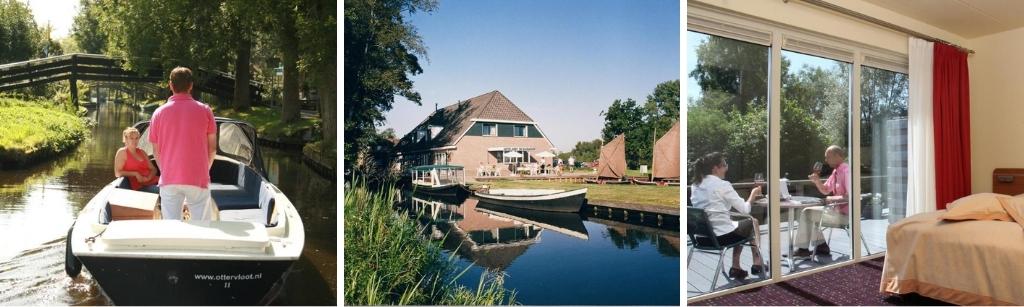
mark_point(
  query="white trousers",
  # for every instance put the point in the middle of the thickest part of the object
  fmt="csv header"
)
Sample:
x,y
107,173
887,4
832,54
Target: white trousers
x,y
173,196
808,235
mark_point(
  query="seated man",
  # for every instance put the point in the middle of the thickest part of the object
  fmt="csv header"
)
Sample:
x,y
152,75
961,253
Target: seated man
x,y
837,211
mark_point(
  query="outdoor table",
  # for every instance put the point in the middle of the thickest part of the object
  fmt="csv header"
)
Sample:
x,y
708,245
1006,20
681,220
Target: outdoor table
x,y
795,202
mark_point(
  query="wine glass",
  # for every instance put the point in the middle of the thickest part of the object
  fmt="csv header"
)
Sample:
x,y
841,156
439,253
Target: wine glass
x,y
759,181
817,167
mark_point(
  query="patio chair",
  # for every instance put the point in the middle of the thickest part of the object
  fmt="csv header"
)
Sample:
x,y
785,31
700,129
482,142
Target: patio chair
x,y
844,225
702,236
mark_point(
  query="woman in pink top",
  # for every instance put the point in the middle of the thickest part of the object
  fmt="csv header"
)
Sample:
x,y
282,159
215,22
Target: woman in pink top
x,y
133,162
836,189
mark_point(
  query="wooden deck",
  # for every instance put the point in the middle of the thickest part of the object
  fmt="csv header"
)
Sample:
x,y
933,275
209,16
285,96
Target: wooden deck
x,y
702,265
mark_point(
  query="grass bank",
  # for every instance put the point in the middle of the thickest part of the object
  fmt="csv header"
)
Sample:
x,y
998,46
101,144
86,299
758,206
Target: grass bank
x,y
35,129
268,123
327,157
389,262
615,193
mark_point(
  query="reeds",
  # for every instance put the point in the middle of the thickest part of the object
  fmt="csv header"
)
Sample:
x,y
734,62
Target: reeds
x,y
389,262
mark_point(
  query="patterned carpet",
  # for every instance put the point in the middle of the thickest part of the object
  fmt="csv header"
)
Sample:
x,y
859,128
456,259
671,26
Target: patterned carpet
x,y
855,284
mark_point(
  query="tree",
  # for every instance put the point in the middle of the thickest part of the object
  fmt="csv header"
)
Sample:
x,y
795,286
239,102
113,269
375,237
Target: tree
x,y
163,35
86,29
584,151
381,51
883,95
288,41
318,26
735,67
18,33
243,18
47,47
660,112
730,114
626,117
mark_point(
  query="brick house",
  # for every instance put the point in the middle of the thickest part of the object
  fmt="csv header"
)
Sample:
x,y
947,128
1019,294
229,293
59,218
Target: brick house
x,y
482,129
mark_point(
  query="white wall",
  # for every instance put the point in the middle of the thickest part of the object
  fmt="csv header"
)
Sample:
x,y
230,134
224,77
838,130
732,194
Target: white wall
x,y
807,16
997,109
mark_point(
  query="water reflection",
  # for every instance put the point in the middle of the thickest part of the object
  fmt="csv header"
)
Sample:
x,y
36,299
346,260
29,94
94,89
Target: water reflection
x,y
39,203
556,258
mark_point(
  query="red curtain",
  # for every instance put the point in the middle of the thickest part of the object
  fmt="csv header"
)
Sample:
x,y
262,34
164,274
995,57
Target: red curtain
x,y
952,116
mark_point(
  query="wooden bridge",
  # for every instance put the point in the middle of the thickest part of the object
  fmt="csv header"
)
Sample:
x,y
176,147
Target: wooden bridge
x,y
94,67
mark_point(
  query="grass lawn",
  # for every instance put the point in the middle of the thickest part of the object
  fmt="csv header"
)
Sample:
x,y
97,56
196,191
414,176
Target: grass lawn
x,y
635,173
32,129
268,122
615,193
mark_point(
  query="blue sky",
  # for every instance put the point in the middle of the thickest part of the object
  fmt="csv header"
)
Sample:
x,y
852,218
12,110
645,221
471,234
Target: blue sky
x,y
562,62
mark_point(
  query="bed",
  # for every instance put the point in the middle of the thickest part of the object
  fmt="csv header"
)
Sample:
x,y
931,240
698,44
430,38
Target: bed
x,y
964,263
973,262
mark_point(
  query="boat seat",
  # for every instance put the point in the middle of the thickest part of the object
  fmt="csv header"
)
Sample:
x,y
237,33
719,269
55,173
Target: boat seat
x,y
192,235
125,184
262,214
234,186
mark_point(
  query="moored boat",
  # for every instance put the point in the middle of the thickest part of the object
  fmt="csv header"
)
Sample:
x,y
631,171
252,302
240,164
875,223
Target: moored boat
x,y
241,257
444,180
606,181
536,199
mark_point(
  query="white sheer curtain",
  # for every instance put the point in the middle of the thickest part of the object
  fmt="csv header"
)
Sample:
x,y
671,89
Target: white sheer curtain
x,y
920,130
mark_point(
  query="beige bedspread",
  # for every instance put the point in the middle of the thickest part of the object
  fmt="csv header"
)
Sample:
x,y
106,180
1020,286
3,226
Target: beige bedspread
x,y
966,263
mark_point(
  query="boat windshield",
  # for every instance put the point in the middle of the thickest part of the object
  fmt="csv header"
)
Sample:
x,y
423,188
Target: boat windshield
x,y
234,140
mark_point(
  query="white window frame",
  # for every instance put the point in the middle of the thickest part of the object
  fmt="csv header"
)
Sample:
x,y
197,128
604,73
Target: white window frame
x,y
493,132
712,20
525,131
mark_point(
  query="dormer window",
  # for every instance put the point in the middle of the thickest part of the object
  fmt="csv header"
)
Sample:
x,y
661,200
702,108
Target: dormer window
x,y
421,135
435,131
490,129
519,131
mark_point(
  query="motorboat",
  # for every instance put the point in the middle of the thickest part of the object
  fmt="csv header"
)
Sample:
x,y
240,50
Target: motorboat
x,y
536,199
240,257
439,179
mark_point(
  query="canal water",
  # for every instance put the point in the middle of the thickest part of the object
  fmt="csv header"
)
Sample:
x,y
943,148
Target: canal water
x,y
547,258
38,205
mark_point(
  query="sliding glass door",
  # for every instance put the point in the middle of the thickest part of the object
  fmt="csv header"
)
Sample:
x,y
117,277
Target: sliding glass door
x,y
814,159
883,146
727,112
820,119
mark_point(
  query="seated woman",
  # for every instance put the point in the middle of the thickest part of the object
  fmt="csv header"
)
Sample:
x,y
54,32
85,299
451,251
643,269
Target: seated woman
x,y
133,162
716,196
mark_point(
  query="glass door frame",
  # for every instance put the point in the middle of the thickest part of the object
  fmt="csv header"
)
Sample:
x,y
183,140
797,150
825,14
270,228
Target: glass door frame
x,y
711,20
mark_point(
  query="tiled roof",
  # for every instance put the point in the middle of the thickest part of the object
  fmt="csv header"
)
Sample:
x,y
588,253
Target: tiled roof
x,y
456,118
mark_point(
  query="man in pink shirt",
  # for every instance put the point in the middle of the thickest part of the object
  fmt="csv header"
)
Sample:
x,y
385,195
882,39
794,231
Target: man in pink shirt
x,y
836,189
184,138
